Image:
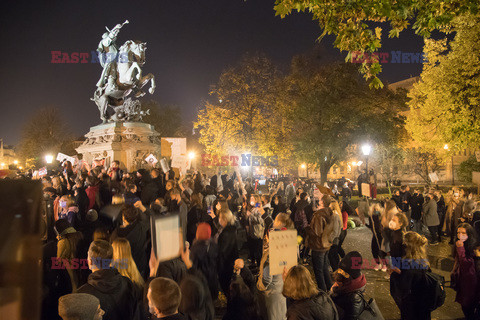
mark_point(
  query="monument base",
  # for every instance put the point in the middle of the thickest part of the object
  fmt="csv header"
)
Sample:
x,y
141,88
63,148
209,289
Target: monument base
x,y
128,142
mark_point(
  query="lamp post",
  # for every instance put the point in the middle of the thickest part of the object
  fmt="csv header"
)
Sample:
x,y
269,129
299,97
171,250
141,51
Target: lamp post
x,y
191,156
453,172
49,159
366,149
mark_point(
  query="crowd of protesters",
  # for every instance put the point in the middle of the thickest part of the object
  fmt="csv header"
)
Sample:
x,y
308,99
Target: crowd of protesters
x,y
98,260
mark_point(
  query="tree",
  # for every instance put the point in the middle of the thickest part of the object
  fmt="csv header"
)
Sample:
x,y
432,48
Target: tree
x,y
330,110
445,104
166,119
422,163
467,167
355,23
388,160
45,132
242,115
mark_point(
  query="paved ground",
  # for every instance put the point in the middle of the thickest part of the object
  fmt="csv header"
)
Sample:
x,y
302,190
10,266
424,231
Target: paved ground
x,y
378,285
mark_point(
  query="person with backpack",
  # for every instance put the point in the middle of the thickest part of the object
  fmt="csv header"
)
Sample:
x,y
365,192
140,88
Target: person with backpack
x,y
319,240
464,275
416,290
255,229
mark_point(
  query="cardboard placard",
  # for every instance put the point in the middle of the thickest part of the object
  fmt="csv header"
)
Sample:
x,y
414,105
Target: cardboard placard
x,y
476,177
283,250
366,189
166,236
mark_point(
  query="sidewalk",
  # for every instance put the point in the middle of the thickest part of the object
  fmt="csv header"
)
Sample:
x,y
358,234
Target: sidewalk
x,y
378,284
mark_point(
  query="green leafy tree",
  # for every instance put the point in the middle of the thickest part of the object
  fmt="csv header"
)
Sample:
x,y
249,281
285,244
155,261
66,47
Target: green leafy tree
x,y
166,119
445,104
242,114
330,109
355,23
467,167
45,132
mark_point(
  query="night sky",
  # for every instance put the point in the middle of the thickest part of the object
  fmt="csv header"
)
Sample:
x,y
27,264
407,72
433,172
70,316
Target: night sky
x,y
189,44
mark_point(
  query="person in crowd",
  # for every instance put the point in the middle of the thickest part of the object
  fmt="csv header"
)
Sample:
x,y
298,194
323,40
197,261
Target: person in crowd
x,y
374,218
204,255
390,210
241,303
430,217
395,231
333,253
441,210
346,212
164,297
195,215
405,197
289,192
349,286
408,286
346,192
68,210
306,301
454,212
80,306
93,189
397,198
464,275
59,186
115,292
130,196
227,249
278,206
319,240
81,198
177,204
69,247
123,260
105,190
255,229
416,205
137,232
273,304
146,187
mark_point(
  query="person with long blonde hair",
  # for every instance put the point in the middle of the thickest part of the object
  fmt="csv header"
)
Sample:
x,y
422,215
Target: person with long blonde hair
x,y
122,257
408,286
333,253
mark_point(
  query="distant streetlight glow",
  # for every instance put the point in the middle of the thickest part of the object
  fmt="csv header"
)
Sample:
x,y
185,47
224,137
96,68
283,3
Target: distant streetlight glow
x,y
21,168
354,163
49,158
3,164
191,155
445,147
303,166
366,149
15,162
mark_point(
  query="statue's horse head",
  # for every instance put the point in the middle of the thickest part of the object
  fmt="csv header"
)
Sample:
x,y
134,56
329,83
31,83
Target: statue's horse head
x,y
135,51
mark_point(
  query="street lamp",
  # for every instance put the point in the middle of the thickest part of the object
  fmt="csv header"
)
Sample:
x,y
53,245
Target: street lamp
x,y
49,159
191,155
366,149
15,162
453,173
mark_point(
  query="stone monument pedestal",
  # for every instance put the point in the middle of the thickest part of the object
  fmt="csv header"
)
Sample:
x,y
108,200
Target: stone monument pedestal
x,y
128,142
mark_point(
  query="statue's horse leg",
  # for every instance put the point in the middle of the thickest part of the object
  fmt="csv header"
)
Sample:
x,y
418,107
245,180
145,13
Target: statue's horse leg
x,y
144,80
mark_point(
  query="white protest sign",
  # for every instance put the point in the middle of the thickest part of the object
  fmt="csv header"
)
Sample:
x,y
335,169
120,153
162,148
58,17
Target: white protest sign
x,y
61,157
166,236
283,249
151,160
42,172
366,189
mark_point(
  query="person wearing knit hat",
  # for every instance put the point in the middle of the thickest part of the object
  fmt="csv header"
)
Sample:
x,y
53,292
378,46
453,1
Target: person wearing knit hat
x,y
92,215
63,227
79,306
68,242
204,231
349,286
204,253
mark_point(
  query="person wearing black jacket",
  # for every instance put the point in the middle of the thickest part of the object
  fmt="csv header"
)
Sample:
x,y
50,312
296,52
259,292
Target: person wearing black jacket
x,y
137,232
416,203
227,249
115,292
441,210
278,206
146,187
306,301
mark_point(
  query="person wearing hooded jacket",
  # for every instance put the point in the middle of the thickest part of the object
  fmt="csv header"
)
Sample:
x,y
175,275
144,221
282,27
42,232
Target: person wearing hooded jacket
x,y
349,287
137,232
115,292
